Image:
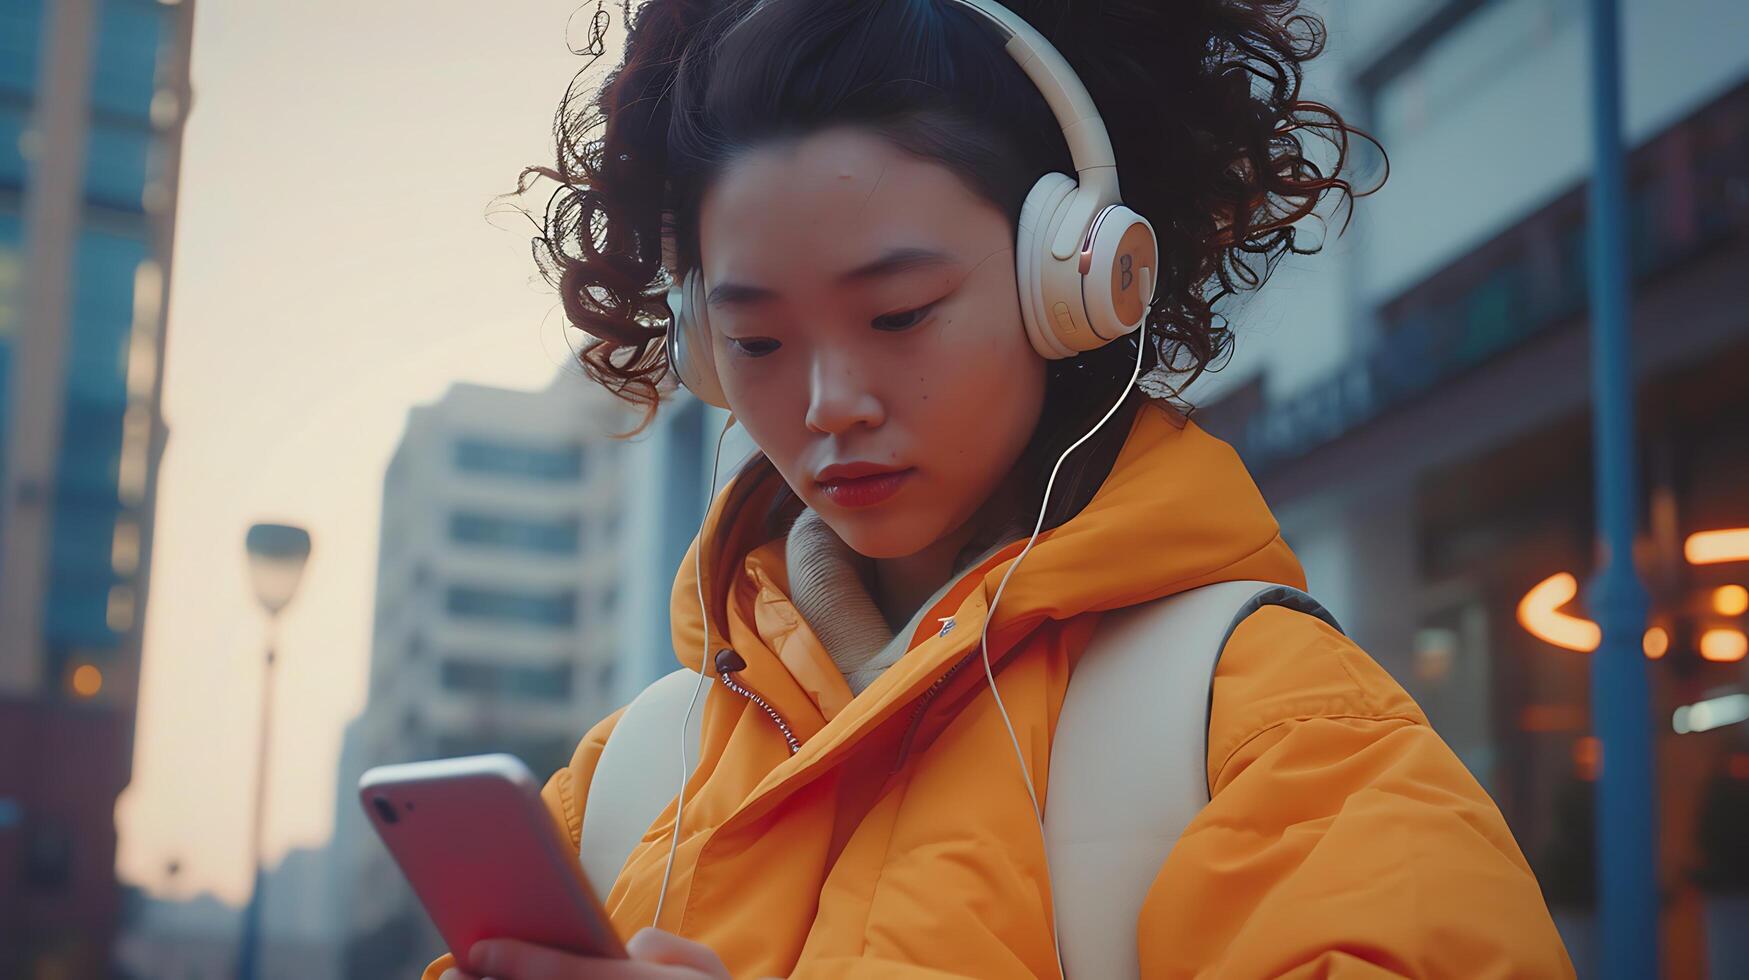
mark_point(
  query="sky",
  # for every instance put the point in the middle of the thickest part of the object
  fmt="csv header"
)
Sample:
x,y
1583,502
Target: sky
x,y
334,266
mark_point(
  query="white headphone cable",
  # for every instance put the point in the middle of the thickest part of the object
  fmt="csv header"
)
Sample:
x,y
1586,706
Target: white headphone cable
x,y
704,671
984,634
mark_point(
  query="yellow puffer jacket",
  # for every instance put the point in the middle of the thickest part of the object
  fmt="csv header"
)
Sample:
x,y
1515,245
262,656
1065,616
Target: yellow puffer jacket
x,y
1344,839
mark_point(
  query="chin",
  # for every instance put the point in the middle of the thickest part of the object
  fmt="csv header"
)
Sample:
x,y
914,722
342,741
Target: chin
x,y
873,535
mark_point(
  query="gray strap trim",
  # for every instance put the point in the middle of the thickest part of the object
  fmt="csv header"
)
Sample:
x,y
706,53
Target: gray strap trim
x,y
1274,595
1281,595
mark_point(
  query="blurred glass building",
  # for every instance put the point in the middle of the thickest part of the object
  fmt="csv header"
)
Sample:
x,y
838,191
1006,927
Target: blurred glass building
x,y
1414,402
496,628
92,98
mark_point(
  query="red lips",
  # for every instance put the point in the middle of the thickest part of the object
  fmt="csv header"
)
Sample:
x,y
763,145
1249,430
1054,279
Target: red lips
x,y
861,484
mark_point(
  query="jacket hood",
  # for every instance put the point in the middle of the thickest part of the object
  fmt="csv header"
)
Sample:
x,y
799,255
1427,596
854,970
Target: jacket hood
x,y
1178,510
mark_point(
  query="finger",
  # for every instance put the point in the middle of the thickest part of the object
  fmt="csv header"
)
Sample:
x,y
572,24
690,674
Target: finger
x,y
454,974
652,945
513,959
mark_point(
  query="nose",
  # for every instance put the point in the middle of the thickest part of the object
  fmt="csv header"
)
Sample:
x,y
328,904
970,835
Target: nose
x,y
839,396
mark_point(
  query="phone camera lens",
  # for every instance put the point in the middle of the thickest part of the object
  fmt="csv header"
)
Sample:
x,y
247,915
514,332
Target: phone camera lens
x,y
385,809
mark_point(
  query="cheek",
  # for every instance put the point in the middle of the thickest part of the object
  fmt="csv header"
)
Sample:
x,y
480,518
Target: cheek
x,y
982,387
772,416
976,413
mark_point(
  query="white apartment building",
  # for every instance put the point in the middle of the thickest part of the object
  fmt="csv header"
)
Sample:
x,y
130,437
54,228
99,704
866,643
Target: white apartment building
x,y
497,594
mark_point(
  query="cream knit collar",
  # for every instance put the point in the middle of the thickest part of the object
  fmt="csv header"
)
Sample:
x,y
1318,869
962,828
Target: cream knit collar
x,y
827,584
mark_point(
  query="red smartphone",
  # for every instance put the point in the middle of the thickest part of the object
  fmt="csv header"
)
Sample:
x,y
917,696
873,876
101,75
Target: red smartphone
x,y
484,856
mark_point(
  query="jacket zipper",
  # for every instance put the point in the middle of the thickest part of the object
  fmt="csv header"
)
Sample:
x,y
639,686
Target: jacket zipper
x,y
922,704
789,737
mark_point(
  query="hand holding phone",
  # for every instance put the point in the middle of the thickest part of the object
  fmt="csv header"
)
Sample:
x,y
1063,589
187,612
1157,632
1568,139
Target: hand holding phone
x,y
653,953
474,840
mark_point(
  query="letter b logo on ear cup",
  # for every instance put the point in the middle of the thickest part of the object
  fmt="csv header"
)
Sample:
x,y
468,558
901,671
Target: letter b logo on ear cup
x,y
1092,295
1123,242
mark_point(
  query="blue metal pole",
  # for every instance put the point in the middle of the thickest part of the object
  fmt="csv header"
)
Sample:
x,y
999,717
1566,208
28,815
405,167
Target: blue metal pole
x,y
249,955
1620,702
249,948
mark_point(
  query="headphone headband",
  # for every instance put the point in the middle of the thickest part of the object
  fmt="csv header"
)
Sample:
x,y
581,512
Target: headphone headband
x,y
1089,144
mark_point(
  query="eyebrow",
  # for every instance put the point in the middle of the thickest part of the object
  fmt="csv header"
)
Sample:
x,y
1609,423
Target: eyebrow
x,y
902,259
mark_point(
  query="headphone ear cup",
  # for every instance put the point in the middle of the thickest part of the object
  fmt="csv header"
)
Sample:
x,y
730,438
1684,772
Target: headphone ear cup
x,y
689,342
1120,272
1032,237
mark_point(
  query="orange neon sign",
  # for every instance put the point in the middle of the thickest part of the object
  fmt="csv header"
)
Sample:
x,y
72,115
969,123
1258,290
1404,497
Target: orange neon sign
x,y
1724,646
1539,612
1541,616
1656,643
1730,600
1712,547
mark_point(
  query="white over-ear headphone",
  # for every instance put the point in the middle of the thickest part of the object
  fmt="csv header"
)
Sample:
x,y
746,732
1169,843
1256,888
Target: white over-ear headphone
x,y
1085,264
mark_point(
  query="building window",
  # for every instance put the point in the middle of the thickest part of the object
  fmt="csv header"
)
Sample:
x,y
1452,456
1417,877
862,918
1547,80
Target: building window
x,y
550,682
116,163
130,37
551,537
555,463
537,609
1460,50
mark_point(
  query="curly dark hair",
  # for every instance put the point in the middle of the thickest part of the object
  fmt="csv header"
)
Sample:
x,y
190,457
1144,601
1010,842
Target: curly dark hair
x,y
1201,99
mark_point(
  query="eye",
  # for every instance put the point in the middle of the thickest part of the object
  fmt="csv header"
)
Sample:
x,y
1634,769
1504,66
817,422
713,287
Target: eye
x,y
903,321
753,346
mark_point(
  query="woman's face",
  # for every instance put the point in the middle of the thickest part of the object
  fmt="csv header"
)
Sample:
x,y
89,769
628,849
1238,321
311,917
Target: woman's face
x,y
867,330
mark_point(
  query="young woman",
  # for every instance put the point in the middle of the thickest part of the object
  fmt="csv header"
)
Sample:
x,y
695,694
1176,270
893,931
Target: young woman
x,y
846,180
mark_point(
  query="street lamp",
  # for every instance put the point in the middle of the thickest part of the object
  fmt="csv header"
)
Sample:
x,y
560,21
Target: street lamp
x,y
277,553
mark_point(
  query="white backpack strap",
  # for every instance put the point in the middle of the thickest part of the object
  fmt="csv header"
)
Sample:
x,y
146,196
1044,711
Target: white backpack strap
x,y
1129,761
637,775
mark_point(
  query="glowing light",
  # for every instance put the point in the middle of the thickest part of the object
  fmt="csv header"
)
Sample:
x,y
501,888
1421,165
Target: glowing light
x,y
124,552
1711,547
1730,600
136,429
87,681
1539,613
1724,646
1656,642
120,615
1704,716
142,364
1587,757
